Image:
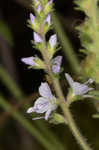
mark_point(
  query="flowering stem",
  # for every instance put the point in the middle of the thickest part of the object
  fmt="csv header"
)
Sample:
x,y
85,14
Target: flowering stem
x,y
17,93
67,114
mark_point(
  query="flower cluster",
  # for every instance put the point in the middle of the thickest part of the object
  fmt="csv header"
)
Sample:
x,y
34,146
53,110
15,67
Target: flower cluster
x,y
40,23
47,103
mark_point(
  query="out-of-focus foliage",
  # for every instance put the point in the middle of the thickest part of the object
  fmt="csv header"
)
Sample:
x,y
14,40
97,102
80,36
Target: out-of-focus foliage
x,y
89,35
6,33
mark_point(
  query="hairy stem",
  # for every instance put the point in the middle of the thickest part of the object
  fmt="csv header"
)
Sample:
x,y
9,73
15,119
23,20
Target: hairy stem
x,y
67,114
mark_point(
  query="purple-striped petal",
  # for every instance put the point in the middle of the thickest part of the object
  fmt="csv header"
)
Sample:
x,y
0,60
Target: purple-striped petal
x,y
78,88
41,105
45,104
45,91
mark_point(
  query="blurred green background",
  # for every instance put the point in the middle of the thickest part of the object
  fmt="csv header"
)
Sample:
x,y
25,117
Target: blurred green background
x,y
18,85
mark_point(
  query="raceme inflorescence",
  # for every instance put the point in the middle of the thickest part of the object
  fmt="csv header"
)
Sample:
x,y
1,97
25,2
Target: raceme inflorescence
x,y
50,100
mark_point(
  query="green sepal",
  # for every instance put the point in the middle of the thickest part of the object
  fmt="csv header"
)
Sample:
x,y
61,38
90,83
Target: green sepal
x,y
44,2
39,64
57,75
38,46
53,50
46,27
56,119
35,4
84,51
34,26
48,8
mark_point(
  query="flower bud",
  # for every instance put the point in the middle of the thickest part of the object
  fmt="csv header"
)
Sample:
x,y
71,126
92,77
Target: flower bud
x,y
57,118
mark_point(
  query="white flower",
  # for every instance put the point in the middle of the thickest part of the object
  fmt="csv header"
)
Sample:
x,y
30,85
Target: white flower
x,y
78,88
44,104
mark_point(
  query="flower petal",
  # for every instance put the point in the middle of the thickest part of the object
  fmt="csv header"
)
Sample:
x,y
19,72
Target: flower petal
x,y
37,38
48,19
45,91
41,105
29,61
37,118
36,1
30,110
53,40
69,79
32,17
50,1
86,96
39,8
80,89
89,81
47,114
56,64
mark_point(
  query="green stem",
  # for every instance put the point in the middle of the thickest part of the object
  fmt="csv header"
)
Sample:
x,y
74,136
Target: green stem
x,y
19,95
67,114
68,50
